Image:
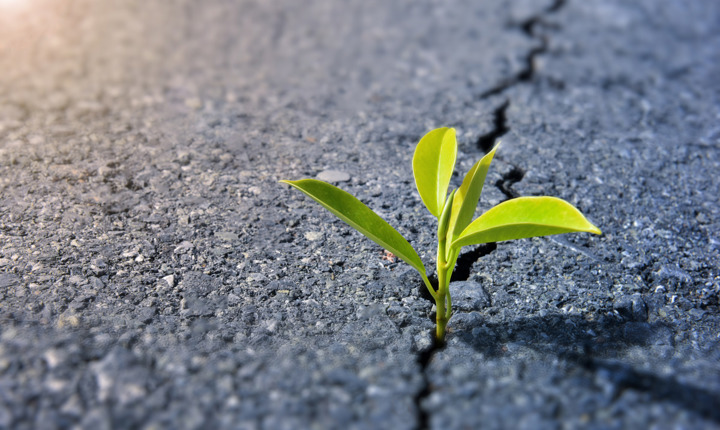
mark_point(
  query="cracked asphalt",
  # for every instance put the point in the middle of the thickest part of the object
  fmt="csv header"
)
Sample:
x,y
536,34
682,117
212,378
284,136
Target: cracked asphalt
x,y
155,274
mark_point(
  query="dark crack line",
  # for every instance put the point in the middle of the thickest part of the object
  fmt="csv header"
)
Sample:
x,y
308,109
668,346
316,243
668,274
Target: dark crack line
x,y
508,179
486,141
423,360
527,73
424,356
467,259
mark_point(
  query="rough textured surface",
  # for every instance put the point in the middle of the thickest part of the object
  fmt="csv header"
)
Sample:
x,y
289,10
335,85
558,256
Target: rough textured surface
x,y
154,274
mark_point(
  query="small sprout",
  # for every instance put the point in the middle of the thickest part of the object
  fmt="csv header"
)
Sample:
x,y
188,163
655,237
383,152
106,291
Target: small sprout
x,y
433,164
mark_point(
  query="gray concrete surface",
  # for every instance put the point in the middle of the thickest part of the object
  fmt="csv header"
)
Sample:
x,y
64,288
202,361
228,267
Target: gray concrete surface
x,y
154,274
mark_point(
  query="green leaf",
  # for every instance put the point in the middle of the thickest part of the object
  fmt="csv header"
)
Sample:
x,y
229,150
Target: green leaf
x,y
360,217
524,217
468,196
433,165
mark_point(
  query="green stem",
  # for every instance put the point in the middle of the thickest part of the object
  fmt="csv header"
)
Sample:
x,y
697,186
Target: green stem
x,y
442,300
448,309
441,322
443,304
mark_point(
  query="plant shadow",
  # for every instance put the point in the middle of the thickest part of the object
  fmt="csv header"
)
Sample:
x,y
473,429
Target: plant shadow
x,y
593,345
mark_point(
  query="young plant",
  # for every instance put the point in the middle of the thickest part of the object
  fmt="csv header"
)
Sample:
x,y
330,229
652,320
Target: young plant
x,y
433,164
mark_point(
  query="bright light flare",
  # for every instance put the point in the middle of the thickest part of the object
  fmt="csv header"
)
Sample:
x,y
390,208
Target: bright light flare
x,y
8,6
11,3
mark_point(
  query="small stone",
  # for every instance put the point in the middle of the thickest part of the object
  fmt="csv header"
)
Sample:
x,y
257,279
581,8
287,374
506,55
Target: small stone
x,y
170,279
468,296
184,158
697,314
423,341
183,247
96,283
226,236
98,265
53,357
333,176
65,320
146,315
313,235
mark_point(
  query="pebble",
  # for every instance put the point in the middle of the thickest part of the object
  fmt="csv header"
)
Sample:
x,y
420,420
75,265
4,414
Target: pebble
x,y
313,235
423,340
67,320
183,247
468,296
333,176
53,357
226,236
170,279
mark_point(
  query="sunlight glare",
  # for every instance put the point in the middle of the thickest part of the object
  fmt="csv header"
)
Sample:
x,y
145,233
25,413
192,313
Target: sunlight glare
x,y
10,4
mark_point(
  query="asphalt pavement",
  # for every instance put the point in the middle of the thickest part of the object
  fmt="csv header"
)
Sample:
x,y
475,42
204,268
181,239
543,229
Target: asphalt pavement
x,y
154,273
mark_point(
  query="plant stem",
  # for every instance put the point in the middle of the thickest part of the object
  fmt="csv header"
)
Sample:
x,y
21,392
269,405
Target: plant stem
x,y
441,322
440,310
442,300
445,263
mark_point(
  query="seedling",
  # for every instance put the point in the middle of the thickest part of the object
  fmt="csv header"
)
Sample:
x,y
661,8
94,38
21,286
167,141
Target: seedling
x,y
433,164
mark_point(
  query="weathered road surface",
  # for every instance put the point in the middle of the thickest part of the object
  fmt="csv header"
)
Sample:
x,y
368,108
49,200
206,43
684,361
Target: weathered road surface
x,y
154,274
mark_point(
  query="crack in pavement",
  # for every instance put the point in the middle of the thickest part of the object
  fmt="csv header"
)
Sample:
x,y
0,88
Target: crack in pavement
x,y
485,143
528,72
466,260
423,360
513,176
